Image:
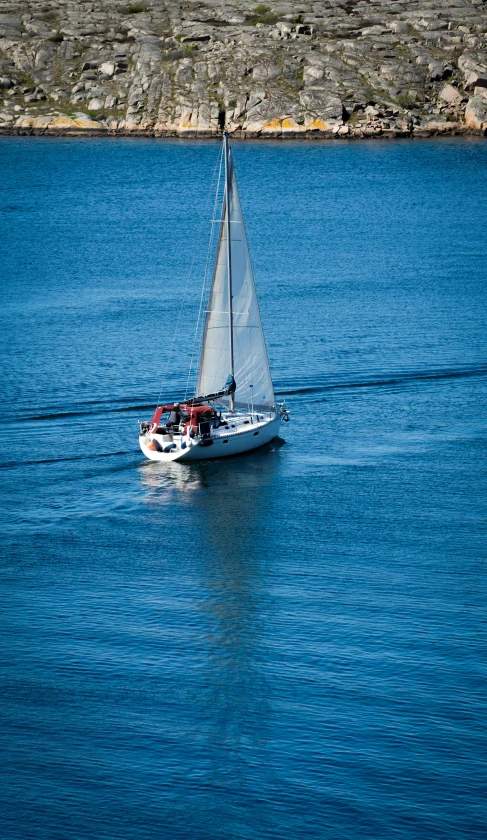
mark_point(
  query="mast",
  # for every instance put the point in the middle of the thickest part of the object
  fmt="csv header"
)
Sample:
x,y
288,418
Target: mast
x,y
233,340
229,261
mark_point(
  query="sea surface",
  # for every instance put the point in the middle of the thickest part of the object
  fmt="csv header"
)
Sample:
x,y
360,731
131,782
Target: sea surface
x,y
285,644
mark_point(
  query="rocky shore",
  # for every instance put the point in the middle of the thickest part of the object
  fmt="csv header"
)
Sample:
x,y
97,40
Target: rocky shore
x,y
336,68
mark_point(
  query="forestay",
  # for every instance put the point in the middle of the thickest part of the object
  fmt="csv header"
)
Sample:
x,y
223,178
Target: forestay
x,y
251,365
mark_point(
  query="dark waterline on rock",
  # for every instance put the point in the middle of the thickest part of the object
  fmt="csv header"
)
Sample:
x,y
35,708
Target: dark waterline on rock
x,y
445,132
286,644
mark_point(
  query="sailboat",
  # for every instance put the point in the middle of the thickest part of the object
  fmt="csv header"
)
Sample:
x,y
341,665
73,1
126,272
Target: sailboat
x,y
234,409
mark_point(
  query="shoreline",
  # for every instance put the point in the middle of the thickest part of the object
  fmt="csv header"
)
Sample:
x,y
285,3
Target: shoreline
x,y
323,71
418,132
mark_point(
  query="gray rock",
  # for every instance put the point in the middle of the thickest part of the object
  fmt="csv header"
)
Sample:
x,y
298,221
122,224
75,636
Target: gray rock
x,y
476,113
322,102
177,64
95,104
473,67
184,73
399,26
59,94
108,68
436,70
313,73
451,95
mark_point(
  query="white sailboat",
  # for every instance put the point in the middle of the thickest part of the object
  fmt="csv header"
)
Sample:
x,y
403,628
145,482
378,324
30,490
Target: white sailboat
x,y
234,409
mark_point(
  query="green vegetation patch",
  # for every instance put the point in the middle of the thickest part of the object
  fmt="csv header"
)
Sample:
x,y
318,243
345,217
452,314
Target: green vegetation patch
x,y
51,15
406,101
134,8
262,14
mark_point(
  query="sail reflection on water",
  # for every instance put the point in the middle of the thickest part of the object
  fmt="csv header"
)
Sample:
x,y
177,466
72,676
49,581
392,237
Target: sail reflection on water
x,y
227,504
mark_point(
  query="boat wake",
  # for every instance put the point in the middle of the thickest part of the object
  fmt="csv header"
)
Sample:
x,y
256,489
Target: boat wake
x,y
400,379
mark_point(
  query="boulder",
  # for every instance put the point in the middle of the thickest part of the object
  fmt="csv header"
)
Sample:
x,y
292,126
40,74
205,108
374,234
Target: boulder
x,y
108,68
476,113
399,26
284,28
451,95
95,104
436,70
371,112
473,66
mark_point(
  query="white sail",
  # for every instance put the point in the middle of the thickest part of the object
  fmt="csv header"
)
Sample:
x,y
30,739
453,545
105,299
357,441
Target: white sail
x,y
250,362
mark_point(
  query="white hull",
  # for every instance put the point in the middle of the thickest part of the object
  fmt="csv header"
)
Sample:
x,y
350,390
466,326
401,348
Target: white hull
x,y
244,437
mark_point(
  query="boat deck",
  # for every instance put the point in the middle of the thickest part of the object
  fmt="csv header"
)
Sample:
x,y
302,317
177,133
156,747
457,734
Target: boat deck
x,y
238,432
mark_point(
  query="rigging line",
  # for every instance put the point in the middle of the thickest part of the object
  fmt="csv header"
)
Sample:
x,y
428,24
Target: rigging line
x,y
283,394
183,300
205,275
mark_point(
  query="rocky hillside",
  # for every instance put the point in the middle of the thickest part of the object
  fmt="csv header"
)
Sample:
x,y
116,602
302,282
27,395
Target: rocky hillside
x,y
190,67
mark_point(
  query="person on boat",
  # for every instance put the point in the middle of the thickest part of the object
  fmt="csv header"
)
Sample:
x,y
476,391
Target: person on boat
x,y
175,416
230,384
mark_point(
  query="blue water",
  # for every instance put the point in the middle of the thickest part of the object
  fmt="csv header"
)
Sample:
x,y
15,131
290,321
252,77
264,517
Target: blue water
x,y
288,644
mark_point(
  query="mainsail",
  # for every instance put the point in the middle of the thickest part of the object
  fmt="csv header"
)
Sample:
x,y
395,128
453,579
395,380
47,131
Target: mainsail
x,y
233,340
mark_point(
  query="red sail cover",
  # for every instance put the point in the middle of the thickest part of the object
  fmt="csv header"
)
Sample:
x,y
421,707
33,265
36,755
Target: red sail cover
x,y
157,416
195,412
